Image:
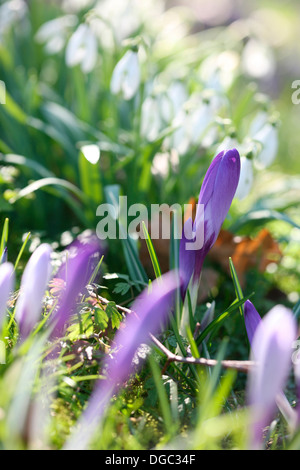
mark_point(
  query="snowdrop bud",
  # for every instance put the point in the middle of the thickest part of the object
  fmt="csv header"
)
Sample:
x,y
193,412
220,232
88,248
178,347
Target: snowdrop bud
x,y
246,178
268,137
33,285
54,33
82,49
126,76
6,286
150,119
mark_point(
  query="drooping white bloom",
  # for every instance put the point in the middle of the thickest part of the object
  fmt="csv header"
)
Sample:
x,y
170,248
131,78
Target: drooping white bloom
x,y
219,71
126,76
82,48
193,122
227,144
260,119
246,178
6,286
75,6
11,12
54,33
258,60
150,118
268,137
33,285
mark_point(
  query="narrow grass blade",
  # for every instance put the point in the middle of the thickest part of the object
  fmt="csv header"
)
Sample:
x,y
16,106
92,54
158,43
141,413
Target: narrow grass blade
x,y
151,251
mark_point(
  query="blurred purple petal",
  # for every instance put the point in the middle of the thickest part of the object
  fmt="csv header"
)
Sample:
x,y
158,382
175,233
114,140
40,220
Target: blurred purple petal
x,y
271,349
6,286
149,312
33,285
252,319
76,272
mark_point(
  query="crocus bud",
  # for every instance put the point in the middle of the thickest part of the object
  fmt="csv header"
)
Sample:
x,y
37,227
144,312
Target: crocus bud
x,y
82,49
217,191
33,285
271,351
126,76
6,286
149,311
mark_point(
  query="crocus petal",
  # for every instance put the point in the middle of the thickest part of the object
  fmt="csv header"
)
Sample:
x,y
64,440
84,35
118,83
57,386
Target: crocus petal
x,y
186,257
217,191
225,186
33,285
149,311
76,273
271,351
6,286
252,320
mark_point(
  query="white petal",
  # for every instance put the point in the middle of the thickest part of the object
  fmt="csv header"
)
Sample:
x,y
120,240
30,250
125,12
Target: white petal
x,y
268,137
246,178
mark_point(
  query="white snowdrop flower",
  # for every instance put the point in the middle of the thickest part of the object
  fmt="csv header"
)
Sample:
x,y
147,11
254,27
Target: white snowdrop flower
x,y
54,33
82,48
74,6
126,76
177,94
191,124
258,60
150,119
258,122
11,12
246,178
219,71
268,137
160,164
227,144
91,152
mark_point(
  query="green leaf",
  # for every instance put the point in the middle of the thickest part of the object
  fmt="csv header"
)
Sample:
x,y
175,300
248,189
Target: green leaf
x,y
121,288
237,286
114,315
101,318
151,251
216,323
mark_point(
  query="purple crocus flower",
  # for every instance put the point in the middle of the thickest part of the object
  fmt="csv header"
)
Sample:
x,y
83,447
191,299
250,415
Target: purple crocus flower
x,y
271,350
149,311
6,286
76,272
33,285
252,320
217,191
